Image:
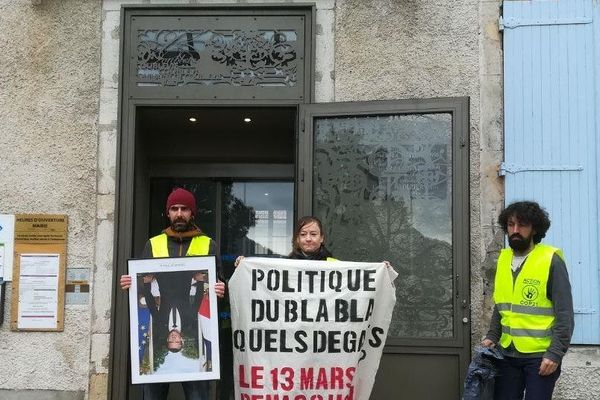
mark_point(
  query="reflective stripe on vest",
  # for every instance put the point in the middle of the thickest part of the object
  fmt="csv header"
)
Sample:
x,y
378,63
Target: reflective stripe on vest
x,y
198,247
526,312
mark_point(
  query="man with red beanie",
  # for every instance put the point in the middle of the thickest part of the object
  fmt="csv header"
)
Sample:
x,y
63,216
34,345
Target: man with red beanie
x,y
182,238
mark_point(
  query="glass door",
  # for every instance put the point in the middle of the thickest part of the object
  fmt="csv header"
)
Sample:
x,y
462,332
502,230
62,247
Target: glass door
x,y
389,182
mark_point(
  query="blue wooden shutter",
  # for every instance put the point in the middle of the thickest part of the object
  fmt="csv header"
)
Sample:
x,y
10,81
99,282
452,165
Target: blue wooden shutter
x,y
551,55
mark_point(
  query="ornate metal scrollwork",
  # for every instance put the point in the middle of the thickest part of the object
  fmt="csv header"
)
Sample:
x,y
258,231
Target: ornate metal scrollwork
x,y
382,185
217,57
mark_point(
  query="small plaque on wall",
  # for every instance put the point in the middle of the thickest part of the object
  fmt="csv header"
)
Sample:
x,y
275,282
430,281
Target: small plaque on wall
x,y
38,293
77,288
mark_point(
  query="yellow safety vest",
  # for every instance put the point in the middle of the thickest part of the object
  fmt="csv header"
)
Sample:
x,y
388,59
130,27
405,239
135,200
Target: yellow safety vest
x,y
526,312
330,259
198,247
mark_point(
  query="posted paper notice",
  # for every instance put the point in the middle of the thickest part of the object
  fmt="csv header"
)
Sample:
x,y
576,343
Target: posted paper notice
x,y
7,237
38,291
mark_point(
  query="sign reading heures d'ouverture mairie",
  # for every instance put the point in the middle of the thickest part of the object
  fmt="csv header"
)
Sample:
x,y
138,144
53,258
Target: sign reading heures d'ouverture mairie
x,y
309,330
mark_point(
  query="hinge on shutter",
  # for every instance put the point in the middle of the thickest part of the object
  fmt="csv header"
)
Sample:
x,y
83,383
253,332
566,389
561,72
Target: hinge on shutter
x,y
507,168
584,311
510,23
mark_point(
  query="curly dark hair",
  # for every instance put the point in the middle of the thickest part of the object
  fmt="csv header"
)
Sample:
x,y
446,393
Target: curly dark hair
x,y
528,212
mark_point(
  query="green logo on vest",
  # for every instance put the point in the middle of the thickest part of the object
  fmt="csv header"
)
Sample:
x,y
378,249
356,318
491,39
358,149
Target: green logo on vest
x,y
530,293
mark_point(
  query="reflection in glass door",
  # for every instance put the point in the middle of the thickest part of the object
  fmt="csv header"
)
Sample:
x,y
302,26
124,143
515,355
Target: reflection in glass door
x,y
257,220
250,218
382,184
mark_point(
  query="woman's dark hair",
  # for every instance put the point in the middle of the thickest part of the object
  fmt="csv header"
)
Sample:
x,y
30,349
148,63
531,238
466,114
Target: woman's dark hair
x,y
302,222
528,212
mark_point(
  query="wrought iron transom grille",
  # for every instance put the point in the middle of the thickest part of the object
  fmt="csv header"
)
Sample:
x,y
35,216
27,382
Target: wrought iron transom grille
x,y
217,57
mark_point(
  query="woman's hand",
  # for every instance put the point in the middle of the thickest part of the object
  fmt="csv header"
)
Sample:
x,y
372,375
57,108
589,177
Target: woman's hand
x,y
125,282
238,261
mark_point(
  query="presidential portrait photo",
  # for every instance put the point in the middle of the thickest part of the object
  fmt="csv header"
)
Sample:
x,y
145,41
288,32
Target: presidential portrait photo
x,y
173,324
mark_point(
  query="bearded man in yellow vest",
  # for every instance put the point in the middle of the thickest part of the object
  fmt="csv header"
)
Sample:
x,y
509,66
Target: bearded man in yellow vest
x,y
533,319
182,238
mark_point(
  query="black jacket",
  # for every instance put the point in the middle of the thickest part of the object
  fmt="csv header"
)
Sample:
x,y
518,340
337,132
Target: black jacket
x,y
321,255
479,383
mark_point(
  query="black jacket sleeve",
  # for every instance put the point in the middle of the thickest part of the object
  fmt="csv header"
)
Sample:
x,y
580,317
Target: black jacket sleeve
x,y
495,328
559,291
213,250
147,251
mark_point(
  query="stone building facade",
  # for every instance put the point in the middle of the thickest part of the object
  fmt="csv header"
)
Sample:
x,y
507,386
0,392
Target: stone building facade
x,y
59,102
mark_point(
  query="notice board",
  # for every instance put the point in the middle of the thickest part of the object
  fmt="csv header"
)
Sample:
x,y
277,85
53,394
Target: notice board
x,y
38,294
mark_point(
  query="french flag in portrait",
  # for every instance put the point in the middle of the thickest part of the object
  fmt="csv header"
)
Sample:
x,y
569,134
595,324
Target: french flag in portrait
x,y
204,322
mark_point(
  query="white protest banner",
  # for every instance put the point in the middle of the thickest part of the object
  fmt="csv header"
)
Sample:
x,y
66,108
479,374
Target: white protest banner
x,y
308,330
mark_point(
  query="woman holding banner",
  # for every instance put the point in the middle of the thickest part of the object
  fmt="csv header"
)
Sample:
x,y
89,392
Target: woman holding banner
x,y
298,323
307,242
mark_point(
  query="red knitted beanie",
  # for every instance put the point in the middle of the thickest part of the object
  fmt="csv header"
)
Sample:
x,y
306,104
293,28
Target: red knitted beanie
x,y
183,197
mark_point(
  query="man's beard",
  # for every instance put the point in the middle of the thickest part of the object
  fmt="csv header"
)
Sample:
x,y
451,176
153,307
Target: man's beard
x,y
518,243
181,225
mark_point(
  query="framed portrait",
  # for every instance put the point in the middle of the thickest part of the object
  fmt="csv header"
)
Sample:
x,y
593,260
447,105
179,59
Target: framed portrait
x,y
174,332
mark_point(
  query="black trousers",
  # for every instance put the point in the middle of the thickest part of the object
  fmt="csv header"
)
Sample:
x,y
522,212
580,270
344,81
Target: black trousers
x,y
518,375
